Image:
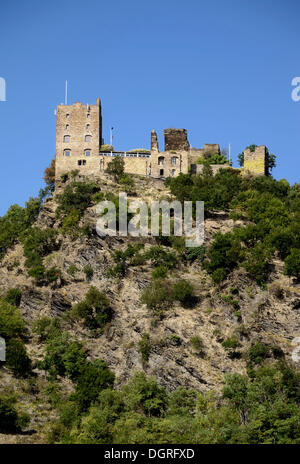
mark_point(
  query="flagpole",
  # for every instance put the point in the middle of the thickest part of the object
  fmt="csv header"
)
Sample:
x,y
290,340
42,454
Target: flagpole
x,y
66,93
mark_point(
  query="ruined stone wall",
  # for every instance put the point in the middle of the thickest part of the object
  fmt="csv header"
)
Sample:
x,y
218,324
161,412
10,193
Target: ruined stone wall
x,y
211,149
256,162
76,122
176,139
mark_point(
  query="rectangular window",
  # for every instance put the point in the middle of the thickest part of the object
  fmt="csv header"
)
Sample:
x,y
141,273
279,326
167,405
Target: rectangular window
x,y
67,152
66,138
87,152
81,162
161,172
88,138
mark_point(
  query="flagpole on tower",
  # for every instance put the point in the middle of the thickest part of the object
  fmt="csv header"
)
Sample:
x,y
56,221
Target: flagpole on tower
x,y
66,93
111,136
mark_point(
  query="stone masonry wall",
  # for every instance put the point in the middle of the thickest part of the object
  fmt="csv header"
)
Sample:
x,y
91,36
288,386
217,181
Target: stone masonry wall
x,y
256,162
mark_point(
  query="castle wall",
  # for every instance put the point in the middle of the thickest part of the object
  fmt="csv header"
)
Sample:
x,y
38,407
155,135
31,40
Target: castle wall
x,y
79,136
256,162
133,165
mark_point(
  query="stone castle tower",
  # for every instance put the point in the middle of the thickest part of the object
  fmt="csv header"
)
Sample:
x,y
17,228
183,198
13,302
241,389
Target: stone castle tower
x,y
79,140
78,137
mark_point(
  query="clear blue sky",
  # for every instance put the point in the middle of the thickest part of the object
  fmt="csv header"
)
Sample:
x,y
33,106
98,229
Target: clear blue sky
x,y
220,68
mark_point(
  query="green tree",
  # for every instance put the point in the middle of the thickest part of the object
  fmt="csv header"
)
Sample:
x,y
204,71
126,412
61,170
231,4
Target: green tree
x,y
116,168
292,264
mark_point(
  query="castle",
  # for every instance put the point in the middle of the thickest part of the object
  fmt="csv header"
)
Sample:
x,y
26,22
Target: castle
x,y
79,141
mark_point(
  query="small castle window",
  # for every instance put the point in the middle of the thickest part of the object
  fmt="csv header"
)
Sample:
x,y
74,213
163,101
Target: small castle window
x,y
81,162
173,172
87,152
88,126
174,160
88,115
161,160
66,138
67,152
67,127
161,172
88,138
67,115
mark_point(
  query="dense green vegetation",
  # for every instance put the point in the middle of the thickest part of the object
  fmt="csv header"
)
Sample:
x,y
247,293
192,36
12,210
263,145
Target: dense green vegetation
x,y
260,409
272,209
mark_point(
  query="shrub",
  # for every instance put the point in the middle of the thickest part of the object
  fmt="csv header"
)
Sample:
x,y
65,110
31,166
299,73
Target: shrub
x,y
11,421
161,257
292,264
144,347
89,272
13,297
16,221
11,322
183,291
119,270
196,343
94,377
195,253
46,327
143,394
116,167
52,274
77,196
72,270
175,340
49,175
223,255
160,272
70,222
157,295
64,357
256,263
258,352
16,357
230,343
95,309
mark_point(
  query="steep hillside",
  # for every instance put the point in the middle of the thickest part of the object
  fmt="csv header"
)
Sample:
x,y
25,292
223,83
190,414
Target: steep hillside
x,y
158,309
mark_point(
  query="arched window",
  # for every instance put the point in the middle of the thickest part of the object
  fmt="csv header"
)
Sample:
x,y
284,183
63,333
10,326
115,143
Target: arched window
x,y
88,138
67,152
87,152
88,115
67,127
173,172
161,160
66,138
67,115
174,160
88,127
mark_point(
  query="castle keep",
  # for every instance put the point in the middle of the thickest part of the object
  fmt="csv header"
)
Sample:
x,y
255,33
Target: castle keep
x,y
79,140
